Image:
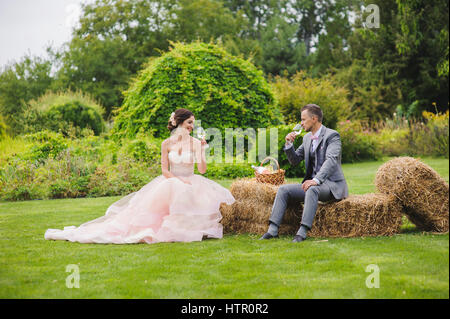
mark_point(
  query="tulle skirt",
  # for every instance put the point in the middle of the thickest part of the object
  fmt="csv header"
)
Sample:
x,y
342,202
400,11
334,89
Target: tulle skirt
x,y
164,210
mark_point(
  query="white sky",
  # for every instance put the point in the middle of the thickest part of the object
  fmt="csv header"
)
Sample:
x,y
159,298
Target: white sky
x,y
29,26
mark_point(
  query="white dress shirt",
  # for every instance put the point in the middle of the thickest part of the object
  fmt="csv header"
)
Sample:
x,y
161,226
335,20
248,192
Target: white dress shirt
x,y
314,146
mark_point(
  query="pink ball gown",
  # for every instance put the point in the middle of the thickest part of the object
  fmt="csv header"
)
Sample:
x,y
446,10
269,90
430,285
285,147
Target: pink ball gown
x,y
164,210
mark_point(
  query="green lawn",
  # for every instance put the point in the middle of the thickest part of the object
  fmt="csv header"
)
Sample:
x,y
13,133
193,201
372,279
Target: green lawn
x,y
411,265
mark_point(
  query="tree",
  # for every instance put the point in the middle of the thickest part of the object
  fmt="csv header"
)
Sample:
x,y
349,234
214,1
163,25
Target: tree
x,y
257,12
280,48
202,20
20,82
299,33
405,53
220,89
112,42
423,41
116,37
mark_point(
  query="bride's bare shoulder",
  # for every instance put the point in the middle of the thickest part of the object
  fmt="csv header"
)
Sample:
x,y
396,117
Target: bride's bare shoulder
x,y
165,144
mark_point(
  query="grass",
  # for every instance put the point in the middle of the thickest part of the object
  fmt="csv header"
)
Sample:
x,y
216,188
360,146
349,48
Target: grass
x,y
412,264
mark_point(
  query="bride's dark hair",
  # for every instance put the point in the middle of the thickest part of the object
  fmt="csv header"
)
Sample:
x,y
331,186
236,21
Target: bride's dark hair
x,y
180,115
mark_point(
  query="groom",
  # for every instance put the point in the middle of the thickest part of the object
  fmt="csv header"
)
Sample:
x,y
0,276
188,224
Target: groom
x,y
324,179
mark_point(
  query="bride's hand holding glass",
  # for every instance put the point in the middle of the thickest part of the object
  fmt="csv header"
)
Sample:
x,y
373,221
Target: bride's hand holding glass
x,y
201,134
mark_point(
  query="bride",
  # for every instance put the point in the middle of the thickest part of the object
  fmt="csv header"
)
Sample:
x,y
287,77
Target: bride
x,y
175,206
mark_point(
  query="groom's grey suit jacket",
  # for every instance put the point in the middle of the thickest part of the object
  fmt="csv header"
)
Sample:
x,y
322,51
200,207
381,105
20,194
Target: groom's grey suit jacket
x,y
327,160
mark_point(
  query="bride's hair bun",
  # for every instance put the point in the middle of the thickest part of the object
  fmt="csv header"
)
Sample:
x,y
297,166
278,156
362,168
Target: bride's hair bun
x,y
178,117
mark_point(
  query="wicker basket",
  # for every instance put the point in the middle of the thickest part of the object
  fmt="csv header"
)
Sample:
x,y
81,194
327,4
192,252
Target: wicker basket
x,y
275,178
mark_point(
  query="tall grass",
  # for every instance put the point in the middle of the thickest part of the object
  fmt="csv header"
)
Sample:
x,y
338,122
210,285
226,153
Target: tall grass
x,y
10,146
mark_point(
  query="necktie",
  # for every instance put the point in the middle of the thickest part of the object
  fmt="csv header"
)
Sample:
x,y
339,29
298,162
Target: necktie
x,y
313,138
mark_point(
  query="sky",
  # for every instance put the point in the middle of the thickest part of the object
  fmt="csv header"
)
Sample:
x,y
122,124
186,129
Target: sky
x,y
27,27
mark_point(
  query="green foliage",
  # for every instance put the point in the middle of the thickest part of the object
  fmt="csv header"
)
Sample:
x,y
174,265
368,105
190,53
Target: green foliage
x,y
112,41
64,112
220,89
281,51
371,99
142,151
431,137
406,53
60,117
3,128
202,20
19,83
393,142
332,44
357,144
401,135
52,166
291,171
45,144
52,98
224,171
115,38
292,94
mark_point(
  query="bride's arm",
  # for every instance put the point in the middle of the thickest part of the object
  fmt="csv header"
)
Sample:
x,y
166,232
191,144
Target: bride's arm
x,y
165,160
200,157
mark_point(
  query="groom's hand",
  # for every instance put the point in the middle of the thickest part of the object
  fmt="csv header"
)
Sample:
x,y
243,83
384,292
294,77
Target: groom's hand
x,y
290,137
307,184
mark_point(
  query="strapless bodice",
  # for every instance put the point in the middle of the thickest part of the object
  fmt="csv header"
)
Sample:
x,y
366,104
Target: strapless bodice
x,y
181,165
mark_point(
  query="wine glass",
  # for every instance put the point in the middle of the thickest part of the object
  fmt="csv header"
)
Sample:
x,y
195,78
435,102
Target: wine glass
x,y
201,134
298,129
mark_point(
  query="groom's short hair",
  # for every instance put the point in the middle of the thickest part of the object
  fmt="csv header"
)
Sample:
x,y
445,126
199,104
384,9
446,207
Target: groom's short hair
x,y
314,109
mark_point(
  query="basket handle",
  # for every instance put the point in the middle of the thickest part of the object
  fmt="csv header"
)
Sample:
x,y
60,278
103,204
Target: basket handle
x,y
270,158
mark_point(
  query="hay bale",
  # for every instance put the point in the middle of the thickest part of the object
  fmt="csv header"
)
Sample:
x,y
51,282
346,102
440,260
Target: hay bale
x,y
358,215
250,216
244,187
251,211
422,192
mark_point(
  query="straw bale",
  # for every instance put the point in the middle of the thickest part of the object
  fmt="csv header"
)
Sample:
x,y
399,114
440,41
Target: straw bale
x,y
358,215
248,216
422,192
244,187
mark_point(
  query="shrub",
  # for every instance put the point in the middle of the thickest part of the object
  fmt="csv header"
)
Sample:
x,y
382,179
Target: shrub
x,y
393,142
63,112
221,171
239,169
431,138
45,144
291,171
56,167
3,128
59,117
220,89
10,146
407,136
143,151
371,98
292,94
357,144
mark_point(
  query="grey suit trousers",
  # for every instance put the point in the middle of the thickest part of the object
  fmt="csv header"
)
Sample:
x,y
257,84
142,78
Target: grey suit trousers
x,y
293,194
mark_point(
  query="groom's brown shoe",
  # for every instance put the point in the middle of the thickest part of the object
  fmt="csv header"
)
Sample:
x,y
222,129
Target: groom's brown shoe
x,y
298,239
268,236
